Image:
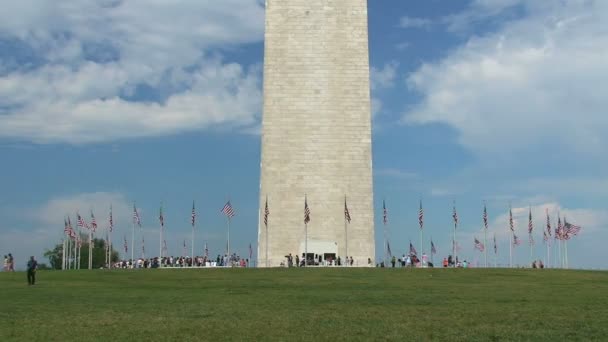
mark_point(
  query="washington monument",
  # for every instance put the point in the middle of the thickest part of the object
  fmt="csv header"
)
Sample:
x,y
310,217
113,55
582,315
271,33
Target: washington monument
x,y
316,133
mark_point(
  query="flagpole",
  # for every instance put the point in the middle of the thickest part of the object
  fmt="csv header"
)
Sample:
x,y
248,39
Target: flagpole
x,y
305,244
266,243
192,242
160,240
566,252
511,249
495,251
110,249
76,258
133,244
228,237
530,242
432,262
345,230
485,244
91,248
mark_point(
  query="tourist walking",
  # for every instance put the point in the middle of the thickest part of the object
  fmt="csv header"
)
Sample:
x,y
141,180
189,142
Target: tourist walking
x,y
32,265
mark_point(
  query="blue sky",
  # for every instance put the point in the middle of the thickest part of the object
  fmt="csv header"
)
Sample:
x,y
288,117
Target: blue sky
x,y
110,102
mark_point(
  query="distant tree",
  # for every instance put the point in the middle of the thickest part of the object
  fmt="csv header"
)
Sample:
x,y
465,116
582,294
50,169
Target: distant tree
x,y
55,255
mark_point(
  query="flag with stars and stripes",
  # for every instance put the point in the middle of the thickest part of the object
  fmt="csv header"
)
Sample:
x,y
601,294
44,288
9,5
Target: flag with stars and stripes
x,y
111,220
306,211
485,217
266,212
161,217
479,246
193,215
385,213
516,241
433,249
511,223
228,210
346,212
93,222
413,249
495,246
421,216
136,218
548,224
455,216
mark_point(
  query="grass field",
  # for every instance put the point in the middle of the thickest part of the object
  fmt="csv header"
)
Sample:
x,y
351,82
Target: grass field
x,y
305,304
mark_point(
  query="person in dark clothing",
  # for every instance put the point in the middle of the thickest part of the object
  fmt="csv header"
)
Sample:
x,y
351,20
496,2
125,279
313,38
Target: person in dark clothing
x,y
32,265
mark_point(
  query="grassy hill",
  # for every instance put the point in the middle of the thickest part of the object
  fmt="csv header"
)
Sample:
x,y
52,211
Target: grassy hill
x,y
305,304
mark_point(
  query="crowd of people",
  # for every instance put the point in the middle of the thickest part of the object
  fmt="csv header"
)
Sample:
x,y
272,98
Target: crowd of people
x,y
176,262
317,260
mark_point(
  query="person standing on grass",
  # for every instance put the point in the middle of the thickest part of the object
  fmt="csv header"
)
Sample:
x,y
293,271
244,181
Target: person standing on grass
x,y
32,265
11,263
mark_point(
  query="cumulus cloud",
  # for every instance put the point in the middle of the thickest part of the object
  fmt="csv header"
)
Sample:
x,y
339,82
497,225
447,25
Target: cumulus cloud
x,y
55,209
533,83
413,22
106,70
383,77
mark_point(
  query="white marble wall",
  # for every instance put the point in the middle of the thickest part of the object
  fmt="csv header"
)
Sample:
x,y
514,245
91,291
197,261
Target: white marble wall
x,y
316,135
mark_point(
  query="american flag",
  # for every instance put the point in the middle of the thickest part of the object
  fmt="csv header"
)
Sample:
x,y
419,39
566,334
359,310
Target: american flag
x,y
516,241
548,223
530,225
485,217
266,212
478,245
455,216
306,211
421,216
495,246
433,250
388,249
93,222
111,220
559,230
412,249
228,210
545,237
346,212
126,246
72,231
193,218
571,229
511,224
385,218
250,252
161,218
136,218
81,222
66,229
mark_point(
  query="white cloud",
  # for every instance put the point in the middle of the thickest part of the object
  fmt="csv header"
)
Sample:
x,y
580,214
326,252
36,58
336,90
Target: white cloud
x,y
412,22
535,83
384,77
92,57
395,173
55,210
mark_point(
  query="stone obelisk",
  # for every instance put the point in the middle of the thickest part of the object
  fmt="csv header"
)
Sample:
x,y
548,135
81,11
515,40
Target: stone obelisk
x,y
316,133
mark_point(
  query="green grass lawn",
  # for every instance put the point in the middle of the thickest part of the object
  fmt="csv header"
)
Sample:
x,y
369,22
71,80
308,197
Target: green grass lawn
x,y
305,304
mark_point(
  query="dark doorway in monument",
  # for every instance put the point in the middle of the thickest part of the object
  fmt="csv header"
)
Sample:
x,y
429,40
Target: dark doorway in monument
x,y
330,258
